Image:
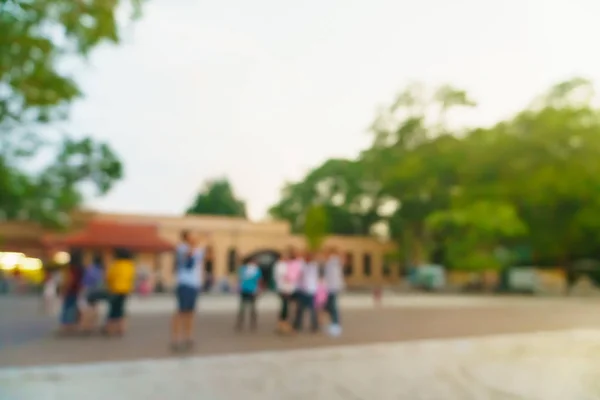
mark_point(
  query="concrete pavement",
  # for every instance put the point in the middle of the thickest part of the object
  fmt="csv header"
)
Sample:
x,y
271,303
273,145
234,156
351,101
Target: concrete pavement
x,y
544,366
22,321
430,347
148,332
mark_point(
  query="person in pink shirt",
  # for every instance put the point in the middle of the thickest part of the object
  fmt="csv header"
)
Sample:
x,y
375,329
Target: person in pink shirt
x,y
293,276
286,286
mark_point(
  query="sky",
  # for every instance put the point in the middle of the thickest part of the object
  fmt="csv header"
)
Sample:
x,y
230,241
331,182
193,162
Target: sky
x,y
261,91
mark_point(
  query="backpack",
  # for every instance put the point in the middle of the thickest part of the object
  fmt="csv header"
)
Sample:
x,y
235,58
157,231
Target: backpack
x,y
184,261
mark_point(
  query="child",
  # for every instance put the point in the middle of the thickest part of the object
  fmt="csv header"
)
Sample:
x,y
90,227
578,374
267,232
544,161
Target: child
x,y
249,280
145,287
377,292
321,297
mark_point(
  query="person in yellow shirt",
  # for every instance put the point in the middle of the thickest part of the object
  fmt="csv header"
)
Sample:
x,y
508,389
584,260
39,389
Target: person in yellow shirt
x,y
120,278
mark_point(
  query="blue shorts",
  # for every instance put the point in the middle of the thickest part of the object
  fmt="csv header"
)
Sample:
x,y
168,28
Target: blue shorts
x,y
186,298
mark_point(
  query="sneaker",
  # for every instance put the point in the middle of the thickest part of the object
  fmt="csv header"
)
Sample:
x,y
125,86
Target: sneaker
x,y
335,330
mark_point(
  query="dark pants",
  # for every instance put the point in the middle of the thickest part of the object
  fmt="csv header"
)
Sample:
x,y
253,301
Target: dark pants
x,y
306,302
70,312
116,307
294,300
284,306
247,300
332,308
97,295
208,283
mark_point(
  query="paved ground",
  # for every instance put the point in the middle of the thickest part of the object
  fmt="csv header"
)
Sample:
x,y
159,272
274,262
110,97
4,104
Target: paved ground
x,y
148,331
165,304
21,321
414,347
542,366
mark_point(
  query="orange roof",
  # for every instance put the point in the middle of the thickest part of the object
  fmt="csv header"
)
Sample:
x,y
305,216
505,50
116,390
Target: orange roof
x,y
32,247
104,234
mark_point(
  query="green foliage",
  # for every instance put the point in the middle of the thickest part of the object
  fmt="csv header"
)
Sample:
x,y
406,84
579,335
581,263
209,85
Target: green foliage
x,y
348,198
473,232
50,196
36,90
532,180
217,198
315,227
36,36
488,219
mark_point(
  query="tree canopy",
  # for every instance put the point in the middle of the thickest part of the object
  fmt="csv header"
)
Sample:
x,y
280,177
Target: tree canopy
x,y
36,90
531,180
217,198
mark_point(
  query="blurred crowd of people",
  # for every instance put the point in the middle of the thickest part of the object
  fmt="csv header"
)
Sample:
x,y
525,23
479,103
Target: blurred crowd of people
x,y
306,283
80,288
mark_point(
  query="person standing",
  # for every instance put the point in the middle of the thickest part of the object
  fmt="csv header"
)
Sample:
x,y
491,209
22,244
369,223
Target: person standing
x,y
249,277
144,274
293,274
321,296
285,289
71,287
334,279
50,292
309,281
189,259
120,282
92,293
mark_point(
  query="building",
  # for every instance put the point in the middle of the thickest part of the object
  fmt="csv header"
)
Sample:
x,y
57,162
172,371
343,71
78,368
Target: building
x,y
231,240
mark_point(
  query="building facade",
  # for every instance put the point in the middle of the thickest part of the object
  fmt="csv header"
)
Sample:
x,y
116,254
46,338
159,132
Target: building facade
x,y
230,241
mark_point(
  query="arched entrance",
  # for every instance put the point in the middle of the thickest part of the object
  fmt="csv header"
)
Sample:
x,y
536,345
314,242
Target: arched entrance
x,y
266,260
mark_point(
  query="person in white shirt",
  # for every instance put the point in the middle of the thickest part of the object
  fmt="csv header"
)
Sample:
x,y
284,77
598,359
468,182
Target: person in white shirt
x,y
334,279
309,282
189,261
285,288
50,294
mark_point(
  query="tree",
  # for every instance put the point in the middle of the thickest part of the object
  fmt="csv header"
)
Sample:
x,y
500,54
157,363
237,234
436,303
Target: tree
x,y
315,227
415,155
348,198
51,195
217,198
473,233
36,92
532,181
543,161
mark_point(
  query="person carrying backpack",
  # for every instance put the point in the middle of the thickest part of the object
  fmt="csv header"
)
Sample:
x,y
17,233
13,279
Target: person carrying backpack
x,y
189,260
